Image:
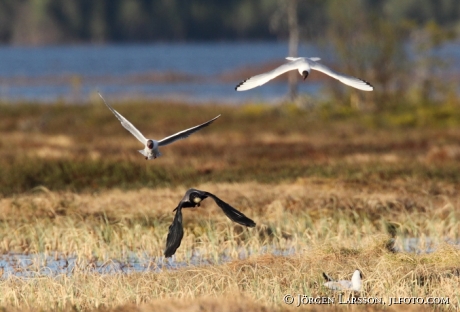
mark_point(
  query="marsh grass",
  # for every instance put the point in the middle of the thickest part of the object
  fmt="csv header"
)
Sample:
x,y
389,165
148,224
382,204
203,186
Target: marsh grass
x,y
330,190
84,148
262,280
332,226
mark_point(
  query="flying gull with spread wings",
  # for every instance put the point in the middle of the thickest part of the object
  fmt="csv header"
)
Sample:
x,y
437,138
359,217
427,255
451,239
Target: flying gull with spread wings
x,y
151,149
304,65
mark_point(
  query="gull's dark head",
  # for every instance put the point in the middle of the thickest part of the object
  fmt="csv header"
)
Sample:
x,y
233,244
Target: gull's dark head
x,y
357,274
150,144
305,74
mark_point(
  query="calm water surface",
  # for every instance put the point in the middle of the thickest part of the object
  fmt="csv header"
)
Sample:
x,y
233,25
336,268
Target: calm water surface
x,y
73,73
69,72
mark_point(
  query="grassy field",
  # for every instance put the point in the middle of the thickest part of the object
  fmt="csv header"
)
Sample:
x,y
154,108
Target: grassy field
x,y
331,189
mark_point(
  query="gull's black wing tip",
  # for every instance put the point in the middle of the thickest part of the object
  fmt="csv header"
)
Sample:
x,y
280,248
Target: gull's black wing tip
x,y
367,83
240,84
327,277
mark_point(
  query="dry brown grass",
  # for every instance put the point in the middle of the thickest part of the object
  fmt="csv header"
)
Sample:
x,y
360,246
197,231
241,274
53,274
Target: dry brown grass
x,y
84,148
262,281
340,192
334,226
106,223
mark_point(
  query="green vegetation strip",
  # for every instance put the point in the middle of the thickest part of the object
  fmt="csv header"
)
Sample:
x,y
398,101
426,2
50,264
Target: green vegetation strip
x,y
89,175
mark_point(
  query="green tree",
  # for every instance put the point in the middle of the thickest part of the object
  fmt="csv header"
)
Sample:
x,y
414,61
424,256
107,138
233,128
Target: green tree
x,y
368,44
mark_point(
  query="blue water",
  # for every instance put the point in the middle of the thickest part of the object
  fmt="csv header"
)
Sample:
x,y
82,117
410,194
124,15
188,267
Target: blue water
x,y
74,72
39,264
92,60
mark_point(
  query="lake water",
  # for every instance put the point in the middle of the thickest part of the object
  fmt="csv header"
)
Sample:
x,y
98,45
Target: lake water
x,y
187,71
66,72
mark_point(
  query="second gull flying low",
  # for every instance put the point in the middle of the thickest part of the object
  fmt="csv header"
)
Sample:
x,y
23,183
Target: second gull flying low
x,y
151,150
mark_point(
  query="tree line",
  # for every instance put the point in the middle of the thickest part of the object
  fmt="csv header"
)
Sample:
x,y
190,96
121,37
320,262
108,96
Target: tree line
x,y
36,22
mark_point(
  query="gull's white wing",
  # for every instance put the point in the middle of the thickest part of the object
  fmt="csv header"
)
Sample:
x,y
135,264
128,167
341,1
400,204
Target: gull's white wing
x,y
348,80
261,79
346,285
126,124
185,133
339,285
327,277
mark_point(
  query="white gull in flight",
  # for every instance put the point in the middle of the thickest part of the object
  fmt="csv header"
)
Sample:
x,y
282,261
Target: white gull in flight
x,y
304,65
151,146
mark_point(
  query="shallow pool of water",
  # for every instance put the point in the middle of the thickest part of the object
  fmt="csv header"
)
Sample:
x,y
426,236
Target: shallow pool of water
x,y
54,264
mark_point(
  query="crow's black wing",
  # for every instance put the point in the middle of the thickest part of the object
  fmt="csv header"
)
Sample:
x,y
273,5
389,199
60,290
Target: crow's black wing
x,y
175,234
231,212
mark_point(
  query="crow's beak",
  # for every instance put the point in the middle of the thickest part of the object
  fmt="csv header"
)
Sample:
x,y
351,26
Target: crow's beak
x,y
305,74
